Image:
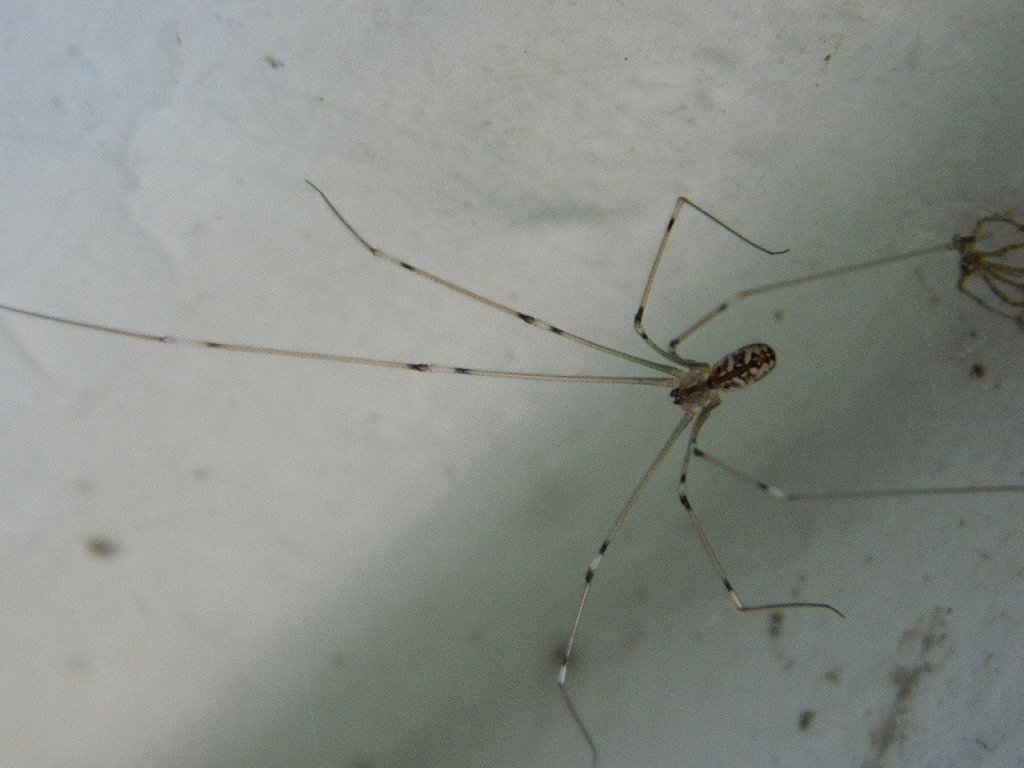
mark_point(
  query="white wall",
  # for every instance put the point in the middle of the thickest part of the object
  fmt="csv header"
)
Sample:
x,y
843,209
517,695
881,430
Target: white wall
x,y
325,566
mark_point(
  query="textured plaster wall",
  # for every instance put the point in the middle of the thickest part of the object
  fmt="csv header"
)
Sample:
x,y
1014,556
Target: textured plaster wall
x,y
214,560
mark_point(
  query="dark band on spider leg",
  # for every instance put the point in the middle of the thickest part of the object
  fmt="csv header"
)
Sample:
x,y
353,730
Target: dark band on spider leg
x,y
531,320
638,320
433,368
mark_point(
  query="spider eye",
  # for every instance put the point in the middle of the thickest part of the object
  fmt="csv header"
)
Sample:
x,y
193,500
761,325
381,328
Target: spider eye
x,y
744,366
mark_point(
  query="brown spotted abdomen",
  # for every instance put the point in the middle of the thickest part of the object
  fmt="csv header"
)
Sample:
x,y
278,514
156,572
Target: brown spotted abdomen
x,y
737,369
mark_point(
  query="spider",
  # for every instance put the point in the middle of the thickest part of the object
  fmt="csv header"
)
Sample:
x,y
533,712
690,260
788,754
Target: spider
x,y
696,387
1005,280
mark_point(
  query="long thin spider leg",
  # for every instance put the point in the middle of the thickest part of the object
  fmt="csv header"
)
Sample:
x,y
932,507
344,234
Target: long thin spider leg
x,y
997,253
588,578
638,320
967,286
706,542
784,495
1001,276
1004,280
972,259
346,359
740,296
986,302
1008,273
1002,295
995,218
536,322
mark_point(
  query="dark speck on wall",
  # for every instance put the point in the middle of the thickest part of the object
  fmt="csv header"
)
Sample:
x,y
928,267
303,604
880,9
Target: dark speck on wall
x,y
101,547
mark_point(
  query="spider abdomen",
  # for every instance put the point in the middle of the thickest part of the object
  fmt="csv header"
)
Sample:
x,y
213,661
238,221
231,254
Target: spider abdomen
x,y
744,366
